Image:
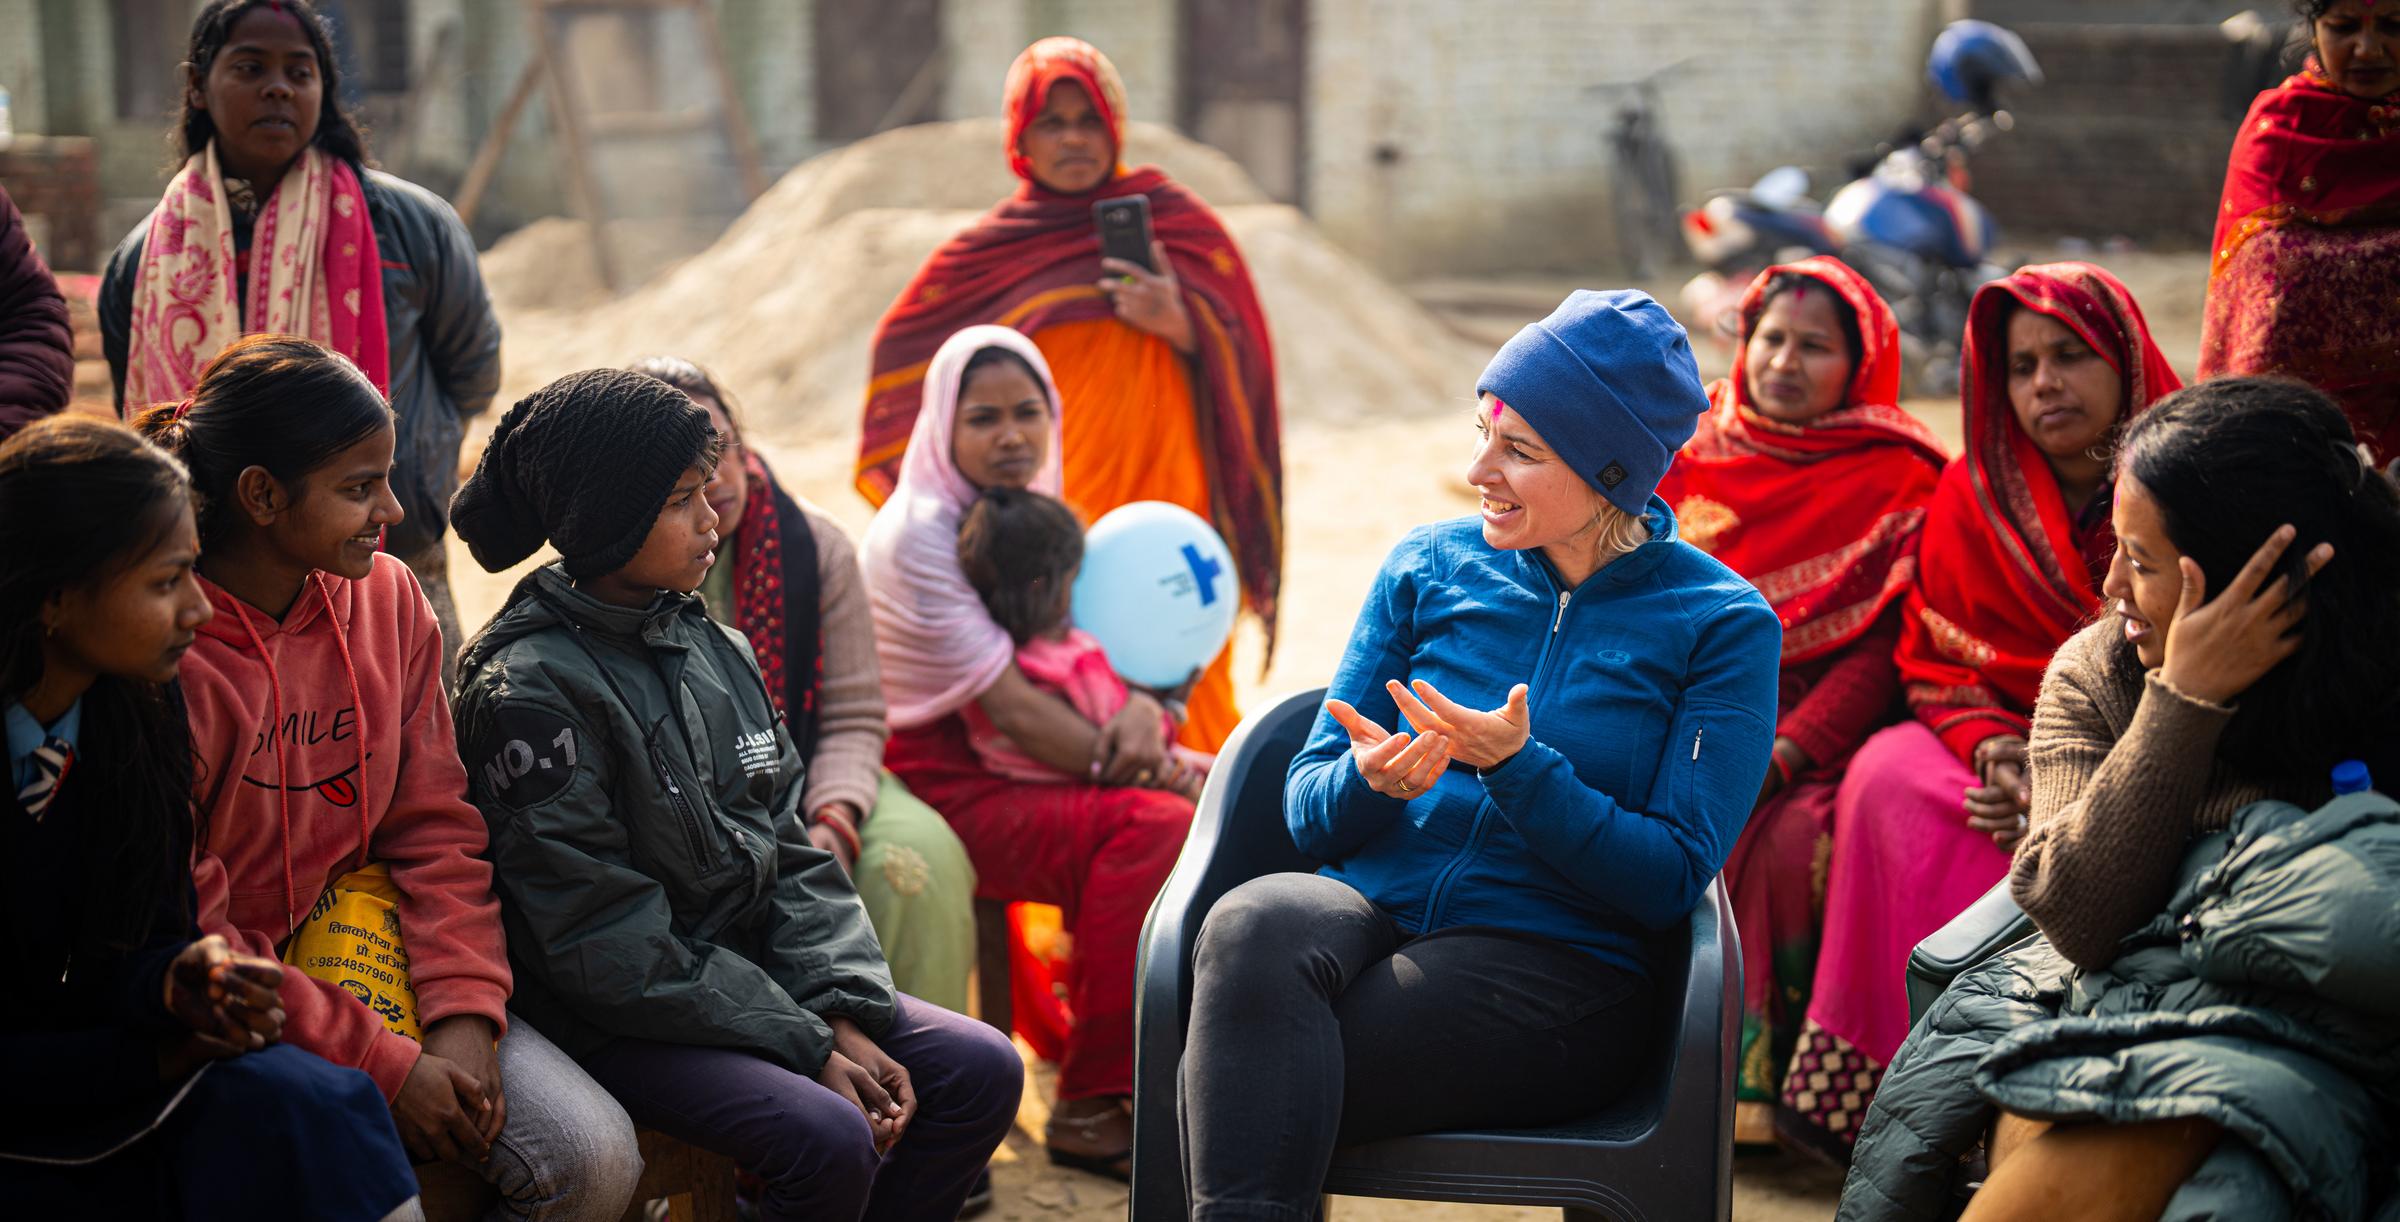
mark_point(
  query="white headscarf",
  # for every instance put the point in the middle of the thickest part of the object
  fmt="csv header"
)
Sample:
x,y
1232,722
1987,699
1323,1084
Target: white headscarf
x,y
939,647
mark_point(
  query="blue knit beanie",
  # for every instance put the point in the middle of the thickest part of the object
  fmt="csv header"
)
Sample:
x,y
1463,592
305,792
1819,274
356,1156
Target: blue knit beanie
x,y
1608,380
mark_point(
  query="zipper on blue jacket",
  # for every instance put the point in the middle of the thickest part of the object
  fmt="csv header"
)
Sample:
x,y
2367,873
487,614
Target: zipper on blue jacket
x,y
1440,896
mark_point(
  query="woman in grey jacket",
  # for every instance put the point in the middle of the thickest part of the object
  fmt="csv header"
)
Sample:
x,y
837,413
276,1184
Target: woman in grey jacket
x,y
670,923
271,160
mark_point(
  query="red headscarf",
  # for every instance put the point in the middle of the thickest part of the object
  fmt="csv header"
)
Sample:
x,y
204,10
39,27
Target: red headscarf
x,y
2000,583
2306,269
1033,260
2309,152
1045,66
1821,517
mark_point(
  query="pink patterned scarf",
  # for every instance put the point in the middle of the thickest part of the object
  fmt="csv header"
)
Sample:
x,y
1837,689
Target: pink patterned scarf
x,y
320,276
938,645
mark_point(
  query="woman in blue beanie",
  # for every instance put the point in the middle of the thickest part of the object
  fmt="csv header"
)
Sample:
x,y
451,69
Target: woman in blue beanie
x,y
1543,740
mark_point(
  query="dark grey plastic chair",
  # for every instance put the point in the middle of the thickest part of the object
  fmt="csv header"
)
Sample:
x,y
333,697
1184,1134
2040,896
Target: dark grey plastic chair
x,y
1663,1152
1989,926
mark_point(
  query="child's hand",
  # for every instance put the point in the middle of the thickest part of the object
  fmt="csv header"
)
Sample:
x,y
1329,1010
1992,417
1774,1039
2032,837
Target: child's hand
x,y
437,1111
1181,693
1183,778
860,1071
224,995
469,1042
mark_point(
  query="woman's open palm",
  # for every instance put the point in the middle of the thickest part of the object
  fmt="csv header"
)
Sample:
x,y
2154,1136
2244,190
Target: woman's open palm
x,y
1394,765
1477,738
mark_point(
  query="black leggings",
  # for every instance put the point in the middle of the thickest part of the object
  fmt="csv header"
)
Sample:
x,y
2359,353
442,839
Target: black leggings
x,y
1316,1022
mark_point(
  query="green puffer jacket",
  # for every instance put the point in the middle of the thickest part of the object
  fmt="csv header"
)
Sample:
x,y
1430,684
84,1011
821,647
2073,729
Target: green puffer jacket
x,y
2266,998
645,834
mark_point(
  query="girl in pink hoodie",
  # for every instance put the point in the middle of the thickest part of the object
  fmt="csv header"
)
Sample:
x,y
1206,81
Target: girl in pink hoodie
x,y
323,745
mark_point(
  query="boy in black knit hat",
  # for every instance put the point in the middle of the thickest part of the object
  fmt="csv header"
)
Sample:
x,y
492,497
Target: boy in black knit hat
x,y
670,924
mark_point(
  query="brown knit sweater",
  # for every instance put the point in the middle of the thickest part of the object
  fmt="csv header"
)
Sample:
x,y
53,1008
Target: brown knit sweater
x,y
850,725
2125,772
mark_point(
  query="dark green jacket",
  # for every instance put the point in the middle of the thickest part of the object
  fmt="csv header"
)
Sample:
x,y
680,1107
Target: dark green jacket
x,y
2265,998
646,840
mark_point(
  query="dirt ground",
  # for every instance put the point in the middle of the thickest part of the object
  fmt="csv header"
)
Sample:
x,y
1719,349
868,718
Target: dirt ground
x,y
1766,1188
1353,487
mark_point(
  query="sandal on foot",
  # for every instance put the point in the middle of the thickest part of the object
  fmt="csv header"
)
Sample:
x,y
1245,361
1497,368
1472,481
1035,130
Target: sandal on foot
x,y
1097,1139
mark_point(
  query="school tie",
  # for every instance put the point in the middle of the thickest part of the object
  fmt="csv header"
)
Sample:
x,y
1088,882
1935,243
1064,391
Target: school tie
x,y
50,763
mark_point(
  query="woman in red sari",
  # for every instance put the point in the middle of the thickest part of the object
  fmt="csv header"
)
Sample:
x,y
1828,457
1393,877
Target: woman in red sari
x,y
2017,540
1099,848
1811,407
2305,277
1167,376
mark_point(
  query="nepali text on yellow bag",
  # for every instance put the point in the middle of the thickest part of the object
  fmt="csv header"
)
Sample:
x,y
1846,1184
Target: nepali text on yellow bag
x,y
352,938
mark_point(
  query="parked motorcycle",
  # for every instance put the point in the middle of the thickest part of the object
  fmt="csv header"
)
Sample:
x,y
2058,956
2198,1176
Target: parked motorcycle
x,y
1905,220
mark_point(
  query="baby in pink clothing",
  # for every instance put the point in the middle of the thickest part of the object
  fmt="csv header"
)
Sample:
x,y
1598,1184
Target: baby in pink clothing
x,y
1021,551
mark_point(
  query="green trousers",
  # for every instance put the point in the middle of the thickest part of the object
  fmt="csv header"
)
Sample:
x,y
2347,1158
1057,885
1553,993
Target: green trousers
x,y
919,890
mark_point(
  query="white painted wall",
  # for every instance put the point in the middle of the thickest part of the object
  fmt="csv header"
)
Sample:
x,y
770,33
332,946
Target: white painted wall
x,y
1502,156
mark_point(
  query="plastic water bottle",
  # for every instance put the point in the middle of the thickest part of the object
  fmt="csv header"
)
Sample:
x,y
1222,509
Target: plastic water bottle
x,y
2351,776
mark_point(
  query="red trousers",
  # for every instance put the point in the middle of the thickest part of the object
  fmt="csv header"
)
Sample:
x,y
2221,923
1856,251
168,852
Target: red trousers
x,y
1100,854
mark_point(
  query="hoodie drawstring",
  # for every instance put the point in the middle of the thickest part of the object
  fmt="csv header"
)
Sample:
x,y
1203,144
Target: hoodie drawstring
x,y
341,645
283,791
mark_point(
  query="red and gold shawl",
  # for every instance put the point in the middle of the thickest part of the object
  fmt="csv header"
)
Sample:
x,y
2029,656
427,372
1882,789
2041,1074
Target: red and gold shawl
x,y
1034,261
776,600
2305,275
2000,582
1823,517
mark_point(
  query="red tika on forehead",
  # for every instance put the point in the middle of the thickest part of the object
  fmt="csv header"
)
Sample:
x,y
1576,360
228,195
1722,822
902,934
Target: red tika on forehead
x,y
1497,408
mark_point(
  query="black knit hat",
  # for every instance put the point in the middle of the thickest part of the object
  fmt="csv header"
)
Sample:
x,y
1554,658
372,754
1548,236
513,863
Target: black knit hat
x,y
586,463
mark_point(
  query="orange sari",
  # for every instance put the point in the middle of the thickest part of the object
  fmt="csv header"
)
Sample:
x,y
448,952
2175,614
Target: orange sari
x,y
1134,436
1142,423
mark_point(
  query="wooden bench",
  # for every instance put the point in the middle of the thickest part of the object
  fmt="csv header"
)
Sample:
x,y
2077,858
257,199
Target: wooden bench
x,y
696,1184
994,1003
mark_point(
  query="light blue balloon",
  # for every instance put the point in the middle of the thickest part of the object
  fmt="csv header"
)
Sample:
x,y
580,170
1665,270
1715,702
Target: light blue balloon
x,y
1158,591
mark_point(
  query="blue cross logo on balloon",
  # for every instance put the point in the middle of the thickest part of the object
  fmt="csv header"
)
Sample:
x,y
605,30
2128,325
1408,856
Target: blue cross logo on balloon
x,y
1158,591
1205,570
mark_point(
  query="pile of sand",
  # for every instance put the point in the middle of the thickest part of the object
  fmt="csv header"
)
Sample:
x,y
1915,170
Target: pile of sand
x,y
784,304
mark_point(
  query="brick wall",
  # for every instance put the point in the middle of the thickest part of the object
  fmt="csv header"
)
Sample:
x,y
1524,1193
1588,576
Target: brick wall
x,y
2128,135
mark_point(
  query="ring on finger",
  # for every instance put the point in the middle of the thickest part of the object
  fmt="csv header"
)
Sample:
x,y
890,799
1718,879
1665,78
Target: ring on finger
x,y
1405,787
1142,777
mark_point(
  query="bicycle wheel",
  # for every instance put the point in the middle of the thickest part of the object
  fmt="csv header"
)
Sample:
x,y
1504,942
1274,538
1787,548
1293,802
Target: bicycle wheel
x,y
1649,228
1634,205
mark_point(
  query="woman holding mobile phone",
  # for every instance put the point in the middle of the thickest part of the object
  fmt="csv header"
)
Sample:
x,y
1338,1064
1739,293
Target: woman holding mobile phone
x,y
1140,352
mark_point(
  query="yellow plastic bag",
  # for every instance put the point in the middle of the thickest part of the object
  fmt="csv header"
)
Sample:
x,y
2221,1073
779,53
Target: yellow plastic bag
x,y
352,938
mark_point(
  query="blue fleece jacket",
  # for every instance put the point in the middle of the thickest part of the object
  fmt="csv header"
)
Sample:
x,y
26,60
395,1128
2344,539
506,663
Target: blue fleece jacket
x,y
1653,706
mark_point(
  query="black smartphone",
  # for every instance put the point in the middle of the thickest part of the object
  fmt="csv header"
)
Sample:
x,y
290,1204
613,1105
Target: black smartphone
x,y
1124,224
